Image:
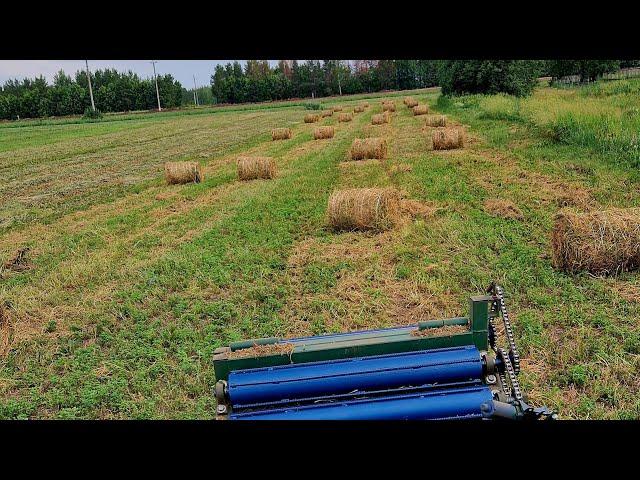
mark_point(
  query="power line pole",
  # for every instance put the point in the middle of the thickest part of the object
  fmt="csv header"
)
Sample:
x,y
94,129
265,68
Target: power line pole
x,y
339,86
93,105
195,91
153,62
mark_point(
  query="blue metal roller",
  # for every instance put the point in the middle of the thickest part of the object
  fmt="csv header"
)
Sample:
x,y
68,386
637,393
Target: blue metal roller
x,y
292,382
463,403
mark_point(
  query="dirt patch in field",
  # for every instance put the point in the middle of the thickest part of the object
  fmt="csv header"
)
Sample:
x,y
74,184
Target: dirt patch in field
x,y
417,209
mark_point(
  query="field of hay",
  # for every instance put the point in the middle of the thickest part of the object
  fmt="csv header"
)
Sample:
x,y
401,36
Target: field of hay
x,y
130,284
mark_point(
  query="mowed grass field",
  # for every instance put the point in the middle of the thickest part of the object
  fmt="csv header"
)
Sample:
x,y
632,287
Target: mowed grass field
x,y
132,284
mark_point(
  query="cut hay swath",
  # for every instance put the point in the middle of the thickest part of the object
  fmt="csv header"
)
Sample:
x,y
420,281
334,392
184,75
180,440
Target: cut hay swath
x,y
420,109
280,133
337,108
363,209
358,109
448,138
388,107
183,172
368,148
435,121
326,113
379,119
311,118
345,117
602,242
323,132
410,102
251,168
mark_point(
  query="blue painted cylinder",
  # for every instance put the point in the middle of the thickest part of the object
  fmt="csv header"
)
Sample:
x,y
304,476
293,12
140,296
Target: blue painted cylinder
x,y
462,403
381,372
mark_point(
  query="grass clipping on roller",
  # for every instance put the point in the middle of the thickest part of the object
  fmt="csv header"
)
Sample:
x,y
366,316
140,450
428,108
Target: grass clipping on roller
x,y
251,168
435,121
323,132
410,102
280,133
183,172
345,117
326,113
262,350
368,148
448,138
363,209
603,242
311,118
420,109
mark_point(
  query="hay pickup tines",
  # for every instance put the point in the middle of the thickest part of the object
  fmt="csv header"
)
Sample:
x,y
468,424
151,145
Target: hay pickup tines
x,y
438,369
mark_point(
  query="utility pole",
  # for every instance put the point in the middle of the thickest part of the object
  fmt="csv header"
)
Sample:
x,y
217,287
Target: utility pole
x,y
93,105
339,86
153,62
195,91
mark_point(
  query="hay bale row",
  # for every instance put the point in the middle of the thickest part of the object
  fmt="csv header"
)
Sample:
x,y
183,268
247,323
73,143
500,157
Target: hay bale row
x,y
420,109
368,148
251,168
183,172
345,117
326,113
448,138
311,118
379,119
323,132
410,102
601,242
281,133
436,121
363,209
358,109
388,107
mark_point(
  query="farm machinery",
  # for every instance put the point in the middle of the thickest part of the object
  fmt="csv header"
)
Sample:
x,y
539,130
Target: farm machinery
x,y
456,368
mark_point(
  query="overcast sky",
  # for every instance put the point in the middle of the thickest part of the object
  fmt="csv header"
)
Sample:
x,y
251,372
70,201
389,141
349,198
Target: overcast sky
x,y
182,70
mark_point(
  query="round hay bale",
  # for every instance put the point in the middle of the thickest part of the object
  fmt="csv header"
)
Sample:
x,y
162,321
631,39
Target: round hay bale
x,y
358,109
183,172
345,117
448,138
326,113
387,116
363,209
323,132
337,108
389,107
436,121
368,148
379,119
250,168
601,242
311,118
365,104
410,102
281,133
420,110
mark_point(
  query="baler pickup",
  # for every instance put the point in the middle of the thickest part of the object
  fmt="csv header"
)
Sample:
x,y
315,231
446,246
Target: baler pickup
x,y
438,369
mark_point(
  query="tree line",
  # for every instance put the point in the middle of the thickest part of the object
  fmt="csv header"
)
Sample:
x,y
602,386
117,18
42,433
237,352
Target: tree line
x,y
258,81
113,92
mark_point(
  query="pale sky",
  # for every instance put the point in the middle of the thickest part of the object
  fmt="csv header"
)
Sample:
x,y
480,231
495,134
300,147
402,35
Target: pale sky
x,y
182,70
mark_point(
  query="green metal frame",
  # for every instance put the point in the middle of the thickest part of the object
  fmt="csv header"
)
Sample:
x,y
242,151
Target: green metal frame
x,y
376,342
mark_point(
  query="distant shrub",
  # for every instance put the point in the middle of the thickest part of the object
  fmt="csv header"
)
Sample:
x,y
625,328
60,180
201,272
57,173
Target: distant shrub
x,y
500,107
312,106
90,114
513,77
